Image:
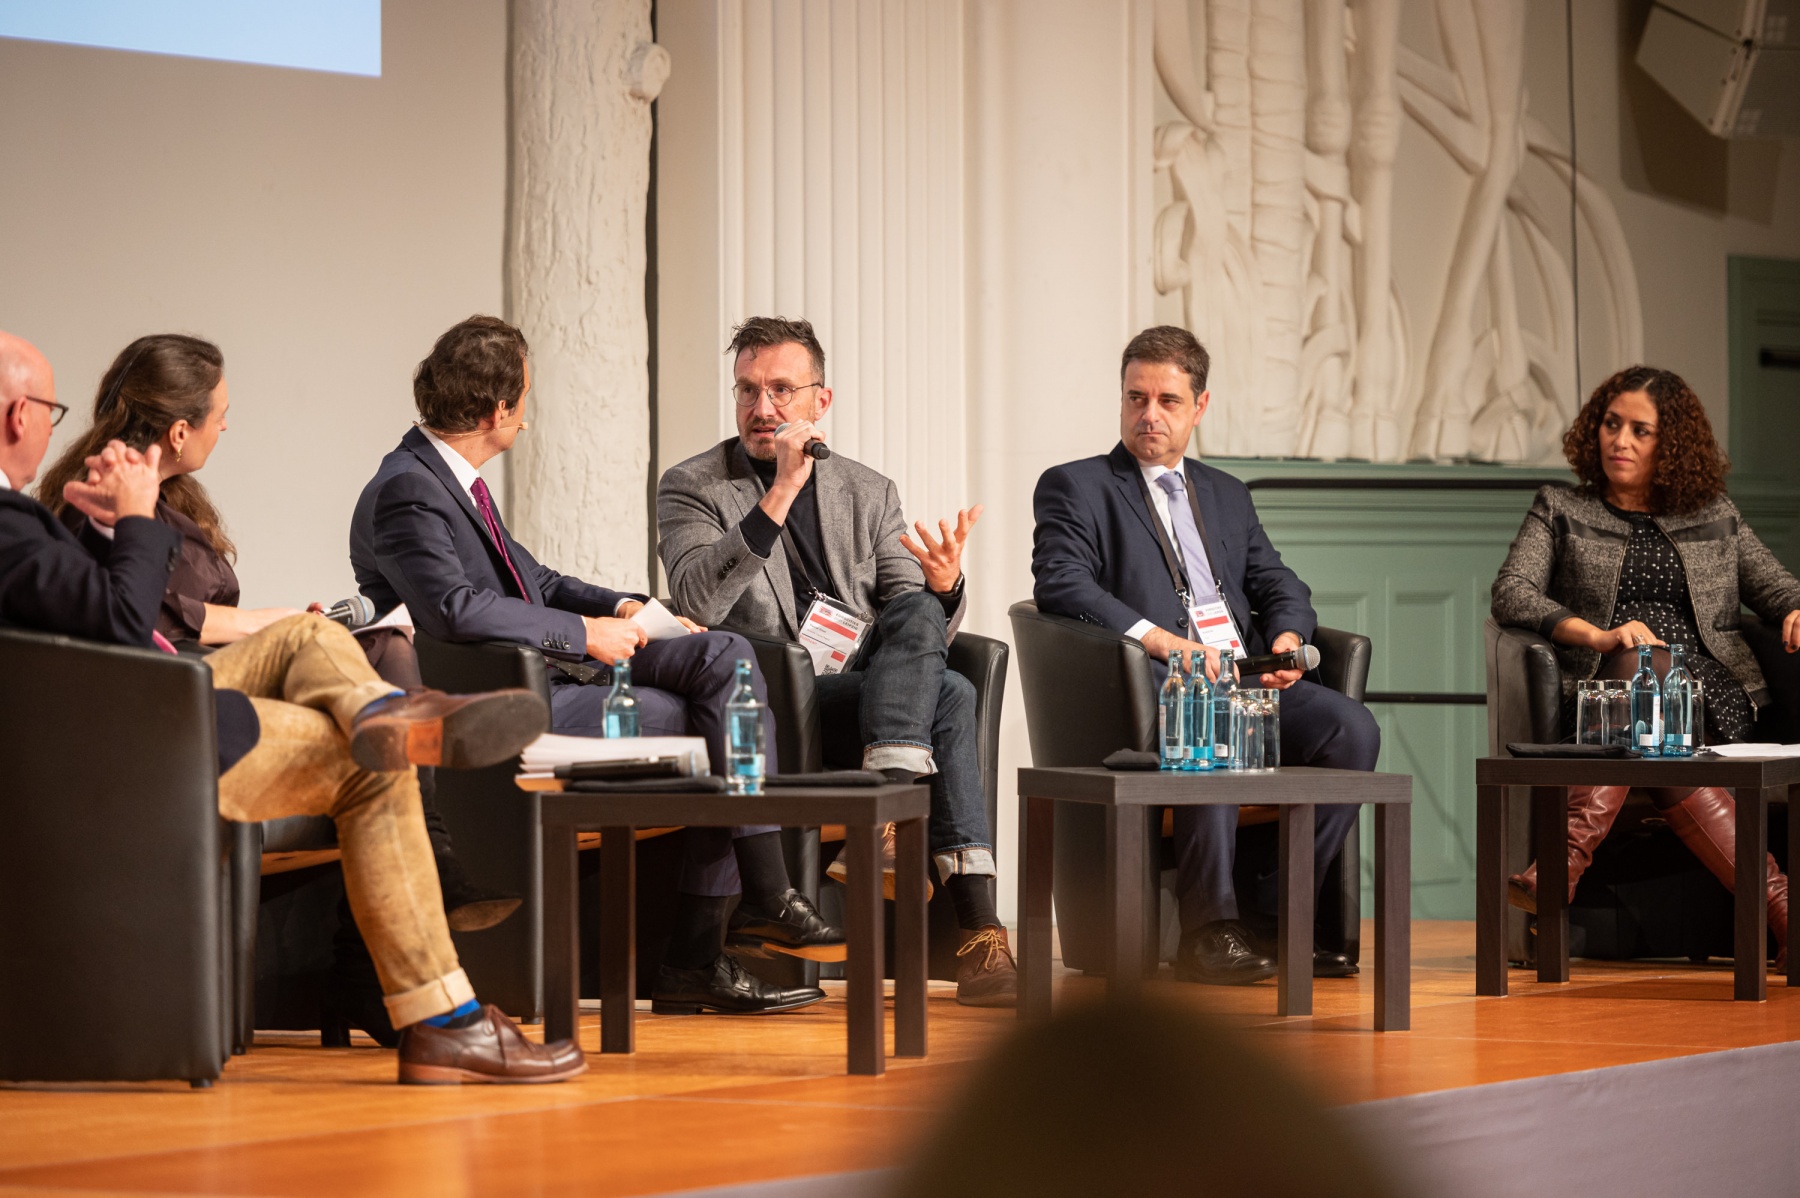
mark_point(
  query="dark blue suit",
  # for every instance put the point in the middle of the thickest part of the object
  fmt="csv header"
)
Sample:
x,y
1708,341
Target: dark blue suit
x,y
416,538
1096,556
50,582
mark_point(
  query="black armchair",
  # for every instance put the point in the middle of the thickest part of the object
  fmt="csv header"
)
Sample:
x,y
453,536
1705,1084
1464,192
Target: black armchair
x,y
787,669
114,866
1644,894
1088,693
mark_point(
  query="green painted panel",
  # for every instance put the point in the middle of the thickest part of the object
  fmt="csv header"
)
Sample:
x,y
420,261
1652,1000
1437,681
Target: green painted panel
x,y
1764,303
1412,569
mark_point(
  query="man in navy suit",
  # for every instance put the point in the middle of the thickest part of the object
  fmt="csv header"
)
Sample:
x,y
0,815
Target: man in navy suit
x,y
428,534
1153,544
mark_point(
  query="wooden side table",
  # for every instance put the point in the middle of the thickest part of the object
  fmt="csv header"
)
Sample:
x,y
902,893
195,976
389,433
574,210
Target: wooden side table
x,y
863,810
1295,790
1756,782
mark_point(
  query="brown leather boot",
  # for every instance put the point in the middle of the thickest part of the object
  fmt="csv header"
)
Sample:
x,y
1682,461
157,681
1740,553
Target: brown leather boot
x,y
462,732
1592,810
1706,821
986,975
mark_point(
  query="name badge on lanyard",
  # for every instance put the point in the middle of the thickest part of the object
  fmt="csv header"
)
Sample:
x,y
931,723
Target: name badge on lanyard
x,y
1213,627
831,635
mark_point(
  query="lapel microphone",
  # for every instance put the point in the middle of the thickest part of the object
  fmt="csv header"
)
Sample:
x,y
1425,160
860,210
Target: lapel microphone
x,y
818,451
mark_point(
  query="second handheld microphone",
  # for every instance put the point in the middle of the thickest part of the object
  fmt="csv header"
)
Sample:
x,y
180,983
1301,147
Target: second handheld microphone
x,y
1304,658
818,451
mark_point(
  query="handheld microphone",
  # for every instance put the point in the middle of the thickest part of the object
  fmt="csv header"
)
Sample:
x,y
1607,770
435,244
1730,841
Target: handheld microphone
x,y
1304,658
352,613
818,451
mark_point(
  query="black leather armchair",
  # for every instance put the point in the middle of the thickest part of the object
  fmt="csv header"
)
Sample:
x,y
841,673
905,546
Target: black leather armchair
x,y
1524,692
114,867
1089,692
787,669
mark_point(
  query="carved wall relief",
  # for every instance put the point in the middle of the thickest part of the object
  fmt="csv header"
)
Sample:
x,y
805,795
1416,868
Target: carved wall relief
x,y
1286,190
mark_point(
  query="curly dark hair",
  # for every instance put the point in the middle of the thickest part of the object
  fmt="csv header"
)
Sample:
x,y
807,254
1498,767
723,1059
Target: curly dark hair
x,y
1690,466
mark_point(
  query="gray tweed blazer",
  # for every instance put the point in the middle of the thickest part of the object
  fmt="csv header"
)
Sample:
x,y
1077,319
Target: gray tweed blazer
x,y
717,581
1569,553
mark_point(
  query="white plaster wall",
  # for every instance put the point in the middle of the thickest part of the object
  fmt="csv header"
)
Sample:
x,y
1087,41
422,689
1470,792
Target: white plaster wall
x,y
323,229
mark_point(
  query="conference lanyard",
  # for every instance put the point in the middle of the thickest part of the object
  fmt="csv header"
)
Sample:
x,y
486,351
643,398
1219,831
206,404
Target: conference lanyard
x,y
1170,552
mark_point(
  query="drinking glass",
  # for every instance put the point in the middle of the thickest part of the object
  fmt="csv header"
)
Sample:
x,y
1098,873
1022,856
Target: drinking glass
x,y
1272,730
1590,713
1246,718
1618,713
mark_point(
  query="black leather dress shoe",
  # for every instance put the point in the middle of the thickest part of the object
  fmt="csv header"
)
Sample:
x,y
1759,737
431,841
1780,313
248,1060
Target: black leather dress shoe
x,y
788,924
469,906
724,987
1221,954
1327,964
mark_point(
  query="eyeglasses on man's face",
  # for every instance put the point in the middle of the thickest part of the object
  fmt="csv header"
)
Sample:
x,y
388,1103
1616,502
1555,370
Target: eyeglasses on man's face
x,y
780,394
57,410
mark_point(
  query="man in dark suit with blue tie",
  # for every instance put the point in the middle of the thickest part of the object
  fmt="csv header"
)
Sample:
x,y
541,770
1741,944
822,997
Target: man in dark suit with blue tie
x,y
428,534
1155,545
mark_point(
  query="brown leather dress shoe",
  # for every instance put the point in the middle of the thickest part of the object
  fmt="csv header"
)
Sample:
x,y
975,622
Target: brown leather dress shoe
x,y
492,1049
986,974
463,732
839,870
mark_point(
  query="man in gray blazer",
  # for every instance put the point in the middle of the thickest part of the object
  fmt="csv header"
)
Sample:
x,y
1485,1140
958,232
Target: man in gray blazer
x,y
760,535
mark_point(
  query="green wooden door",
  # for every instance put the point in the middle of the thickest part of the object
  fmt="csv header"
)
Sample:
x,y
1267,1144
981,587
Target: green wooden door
x,y
1764,437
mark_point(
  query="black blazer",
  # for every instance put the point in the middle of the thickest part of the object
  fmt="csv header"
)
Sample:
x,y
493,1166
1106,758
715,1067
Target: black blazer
x,y
50,582
417,539
1096,552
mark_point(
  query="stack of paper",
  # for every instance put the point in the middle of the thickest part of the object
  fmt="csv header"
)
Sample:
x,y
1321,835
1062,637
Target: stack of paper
x,y
1756,750
548,751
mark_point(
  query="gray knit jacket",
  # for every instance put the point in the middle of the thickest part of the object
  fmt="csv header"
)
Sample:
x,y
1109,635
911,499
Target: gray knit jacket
x,y
1569,553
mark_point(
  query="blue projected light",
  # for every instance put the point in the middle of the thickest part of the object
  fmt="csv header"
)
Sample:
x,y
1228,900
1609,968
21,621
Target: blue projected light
x,y
314,35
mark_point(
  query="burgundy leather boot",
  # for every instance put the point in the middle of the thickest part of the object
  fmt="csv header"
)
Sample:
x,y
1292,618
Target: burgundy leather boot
x,y
1706,821
1592,810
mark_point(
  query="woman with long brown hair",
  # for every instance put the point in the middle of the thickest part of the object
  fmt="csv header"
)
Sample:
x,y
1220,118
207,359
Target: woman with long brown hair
x,y
1649,550
169,390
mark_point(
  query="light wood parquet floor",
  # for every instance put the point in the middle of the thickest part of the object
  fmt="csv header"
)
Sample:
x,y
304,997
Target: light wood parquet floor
x,y
710,1101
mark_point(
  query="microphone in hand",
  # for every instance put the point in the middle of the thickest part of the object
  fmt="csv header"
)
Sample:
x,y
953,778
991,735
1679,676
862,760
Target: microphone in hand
x,y
1304,658
353,613
818,451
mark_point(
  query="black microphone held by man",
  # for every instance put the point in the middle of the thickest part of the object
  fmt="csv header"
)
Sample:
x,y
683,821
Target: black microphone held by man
x,y
818,451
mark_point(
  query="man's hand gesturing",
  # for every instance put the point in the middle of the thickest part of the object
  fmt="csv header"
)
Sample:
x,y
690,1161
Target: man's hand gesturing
x,y
611,638
120,482
942,559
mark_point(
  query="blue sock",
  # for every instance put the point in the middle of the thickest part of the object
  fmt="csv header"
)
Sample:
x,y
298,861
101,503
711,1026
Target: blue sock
x,y
461,1017
371,708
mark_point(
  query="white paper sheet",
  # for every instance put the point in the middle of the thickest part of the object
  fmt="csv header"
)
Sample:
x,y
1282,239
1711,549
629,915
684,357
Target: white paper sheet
x,y
658,622
398,618
1756,750
550,750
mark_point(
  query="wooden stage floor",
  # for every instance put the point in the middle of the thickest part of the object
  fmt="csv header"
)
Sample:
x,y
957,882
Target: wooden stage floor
x,y
712,1101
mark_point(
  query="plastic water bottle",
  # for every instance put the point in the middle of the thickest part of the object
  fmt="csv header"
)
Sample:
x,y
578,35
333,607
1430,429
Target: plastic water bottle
x,y
1223,691
1172,716
1199,714
1678,695
621,706
744,736
1646,707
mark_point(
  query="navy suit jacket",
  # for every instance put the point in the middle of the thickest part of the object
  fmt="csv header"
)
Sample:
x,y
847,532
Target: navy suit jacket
x,y
51,582
417,539
1096,554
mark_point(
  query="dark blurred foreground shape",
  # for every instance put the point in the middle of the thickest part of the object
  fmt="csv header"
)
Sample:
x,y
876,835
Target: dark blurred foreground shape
x,y
1141,1099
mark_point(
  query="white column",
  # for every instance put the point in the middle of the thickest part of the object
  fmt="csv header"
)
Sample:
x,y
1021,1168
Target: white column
x,y
583,76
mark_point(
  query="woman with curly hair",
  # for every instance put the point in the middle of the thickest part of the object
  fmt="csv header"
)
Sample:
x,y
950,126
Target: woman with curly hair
x,y
1648,550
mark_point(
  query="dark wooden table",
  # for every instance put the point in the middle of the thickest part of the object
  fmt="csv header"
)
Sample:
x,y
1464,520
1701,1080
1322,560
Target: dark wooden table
x,y
1295,789
863,810
1756,781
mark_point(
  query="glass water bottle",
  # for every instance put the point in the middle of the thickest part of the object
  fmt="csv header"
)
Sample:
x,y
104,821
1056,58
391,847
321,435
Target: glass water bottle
x,y
621,709
1678,706
1172,716
1223,693
1646,707
1199,714
744,735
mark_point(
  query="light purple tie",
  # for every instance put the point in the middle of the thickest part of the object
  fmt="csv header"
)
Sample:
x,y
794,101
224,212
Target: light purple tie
x,y
1187,539
485,503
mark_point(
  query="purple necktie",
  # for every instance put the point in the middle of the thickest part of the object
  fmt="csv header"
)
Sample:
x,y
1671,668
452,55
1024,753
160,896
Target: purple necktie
x,y
1187,539
485,502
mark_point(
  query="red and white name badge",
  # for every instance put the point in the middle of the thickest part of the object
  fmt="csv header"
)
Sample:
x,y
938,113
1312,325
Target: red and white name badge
x,y
1213,627
831,635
